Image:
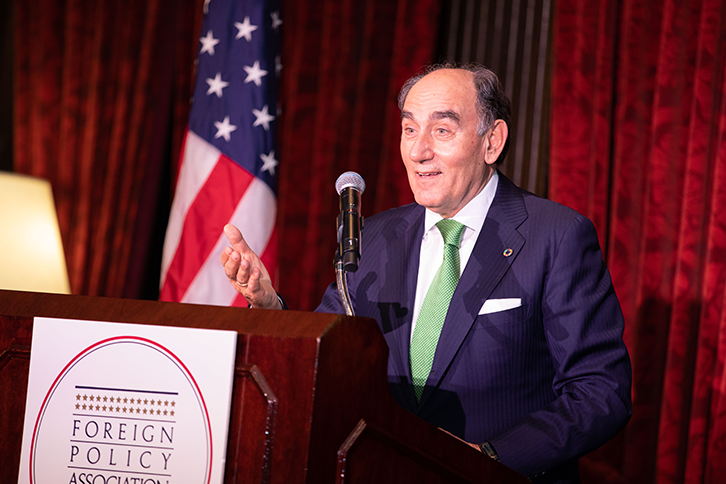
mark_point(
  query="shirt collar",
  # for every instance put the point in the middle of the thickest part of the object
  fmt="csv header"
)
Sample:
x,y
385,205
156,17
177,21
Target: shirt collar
x,y
474,212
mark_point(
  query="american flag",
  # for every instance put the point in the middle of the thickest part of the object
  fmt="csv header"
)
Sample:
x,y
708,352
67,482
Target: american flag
x,y
228,168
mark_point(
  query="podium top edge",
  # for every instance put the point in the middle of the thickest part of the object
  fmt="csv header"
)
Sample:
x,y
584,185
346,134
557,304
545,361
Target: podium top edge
x,y
274,323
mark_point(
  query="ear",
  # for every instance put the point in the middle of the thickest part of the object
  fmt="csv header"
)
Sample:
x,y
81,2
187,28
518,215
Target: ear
x,y
494,141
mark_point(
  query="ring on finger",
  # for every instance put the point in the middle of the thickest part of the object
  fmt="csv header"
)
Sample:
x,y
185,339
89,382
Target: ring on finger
x,y
240,284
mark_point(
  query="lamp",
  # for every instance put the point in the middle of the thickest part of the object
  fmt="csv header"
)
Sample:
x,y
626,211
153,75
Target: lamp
x,y
31,251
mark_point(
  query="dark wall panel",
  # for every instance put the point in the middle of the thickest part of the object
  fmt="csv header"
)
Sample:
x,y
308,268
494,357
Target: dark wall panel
x,y
512,38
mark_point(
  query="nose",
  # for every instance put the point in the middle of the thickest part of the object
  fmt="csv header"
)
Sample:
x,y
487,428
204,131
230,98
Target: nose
x,y
421,148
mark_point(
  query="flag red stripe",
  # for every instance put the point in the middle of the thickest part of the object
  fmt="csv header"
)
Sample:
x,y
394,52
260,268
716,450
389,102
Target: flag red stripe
x,y
210,211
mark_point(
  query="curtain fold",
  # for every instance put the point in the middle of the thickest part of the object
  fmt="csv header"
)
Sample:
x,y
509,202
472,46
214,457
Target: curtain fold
x,y
102,93
343,63
638,146
93,93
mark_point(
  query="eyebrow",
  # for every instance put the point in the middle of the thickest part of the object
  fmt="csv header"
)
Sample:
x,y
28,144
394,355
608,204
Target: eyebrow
x,y
436,115
449,114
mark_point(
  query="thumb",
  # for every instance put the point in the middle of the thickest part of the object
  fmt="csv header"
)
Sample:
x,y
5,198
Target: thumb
x,y
235,238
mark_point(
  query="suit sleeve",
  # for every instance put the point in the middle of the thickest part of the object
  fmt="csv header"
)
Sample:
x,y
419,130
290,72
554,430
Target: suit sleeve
x,y
583,327
331,301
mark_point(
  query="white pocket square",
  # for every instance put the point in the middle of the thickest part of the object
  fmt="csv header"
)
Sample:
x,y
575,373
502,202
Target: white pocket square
x,y
496,305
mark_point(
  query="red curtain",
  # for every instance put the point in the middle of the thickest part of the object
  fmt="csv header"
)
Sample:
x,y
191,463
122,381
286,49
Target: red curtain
x,y
343,64
639,145
102,93
95,83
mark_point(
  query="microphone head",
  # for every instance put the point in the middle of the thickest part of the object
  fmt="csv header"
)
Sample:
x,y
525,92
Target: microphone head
x,y
350,179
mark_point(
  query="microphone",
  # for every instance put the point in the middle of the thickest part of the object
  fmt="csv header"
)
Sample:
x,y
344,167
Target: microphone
x,y
350,187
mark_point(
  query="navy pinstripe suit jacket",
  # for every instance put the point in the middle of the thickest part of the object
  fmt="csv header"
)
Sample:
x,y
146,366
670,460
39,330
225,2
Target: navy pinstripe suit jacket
x,y
544,382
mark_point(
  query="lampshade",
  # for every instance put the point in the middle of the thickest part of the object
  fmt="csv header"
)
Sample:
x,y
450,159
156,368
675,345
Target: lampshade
x,y
31,251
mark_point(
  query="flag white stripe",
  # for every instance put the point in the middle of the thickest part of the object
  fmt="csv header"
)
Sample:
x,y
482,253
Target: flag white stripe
x,y
199,160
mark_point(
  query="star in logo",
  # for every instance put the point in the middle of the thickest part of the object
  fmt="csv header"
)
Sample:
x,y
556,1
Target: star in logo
x,y
254,73
208,43
224,129
245,29
269,162
276,22
263,118
216,85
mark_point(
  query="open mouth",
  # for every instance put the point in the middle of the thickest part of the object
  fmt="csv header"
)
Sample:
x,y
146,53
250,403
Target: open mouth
x,y
428,175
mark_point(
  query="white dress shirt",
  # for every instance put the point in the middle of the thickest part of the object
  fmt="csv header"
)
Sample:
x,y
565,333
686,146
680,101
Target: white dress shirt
x,y
432,243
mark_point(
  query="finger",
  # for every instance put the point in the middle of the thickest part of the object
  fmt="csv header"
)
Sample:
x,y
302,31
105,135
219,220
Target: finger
x,y
235,238
231,266
253,281
226,253
259,293
243,273
237,274
247,288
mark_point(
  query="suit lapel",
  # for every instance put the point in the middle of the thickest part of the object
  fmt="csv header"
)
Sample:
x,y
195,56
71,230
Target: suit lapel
x,y
401,265
489,261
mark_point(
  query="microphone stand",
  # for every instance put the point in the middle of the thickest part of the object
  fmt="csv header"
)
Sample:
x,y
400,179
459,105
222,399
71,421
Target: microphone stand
x,y
339,262
342,283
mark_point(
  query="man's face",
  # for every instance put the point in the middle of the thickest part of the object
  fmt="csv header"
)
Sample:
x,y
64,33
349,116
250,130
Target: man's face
x,y
445,160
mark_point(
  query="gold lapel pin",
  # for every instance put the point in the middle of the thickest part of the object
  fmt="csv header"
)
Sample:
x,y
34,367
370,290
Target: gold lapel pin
x,y
507,252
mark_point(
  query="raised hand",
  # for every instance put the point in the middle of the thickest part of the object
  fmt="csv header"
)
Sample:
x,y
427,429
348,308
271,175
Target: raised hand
x,y
247,273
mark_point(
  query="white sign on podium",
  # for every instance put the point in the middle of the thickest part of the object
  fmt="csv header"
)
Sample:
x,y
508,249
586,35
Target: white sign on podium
x,y
113,403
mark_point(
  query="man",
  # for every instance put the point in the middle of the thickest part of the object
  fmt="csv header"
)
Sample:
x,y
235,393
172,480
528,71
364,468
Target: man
x,y
528,362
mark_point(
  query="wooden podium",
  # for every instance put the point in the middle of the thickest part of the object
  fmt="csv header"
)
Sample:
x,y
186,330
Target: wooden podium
x,y
310,401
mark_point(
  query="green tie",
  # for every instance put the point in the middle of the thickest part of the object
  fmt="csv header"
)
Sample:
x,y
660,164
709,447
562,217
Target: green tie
x,y
435,306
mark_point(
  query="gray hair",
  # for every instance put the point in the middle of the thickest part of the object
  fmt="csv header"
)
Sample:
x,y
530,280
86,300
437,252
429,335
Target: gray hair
x,y
491,102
